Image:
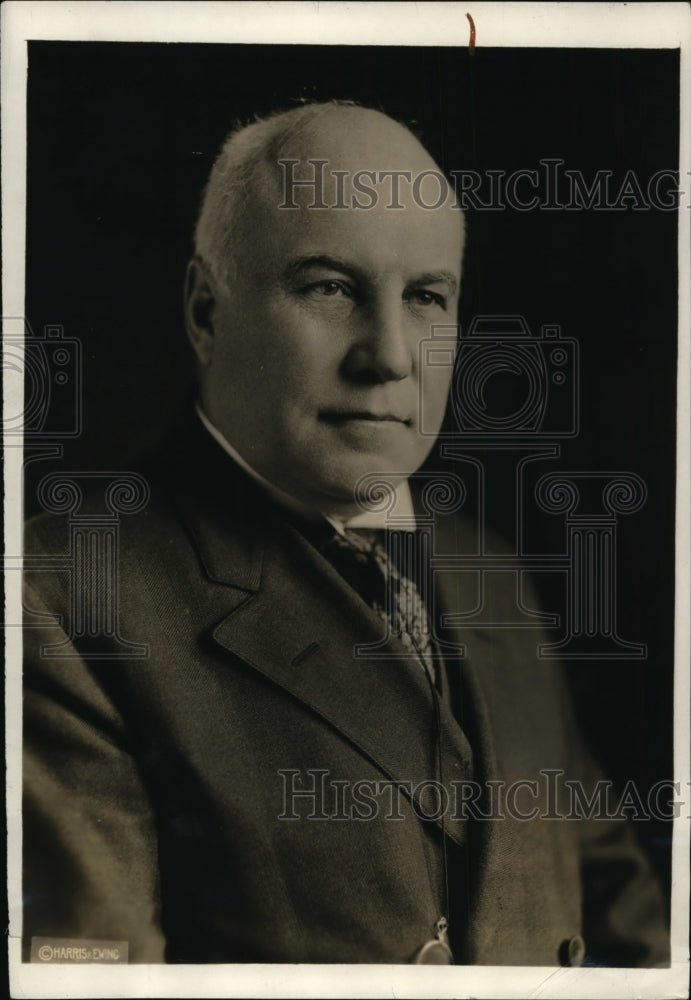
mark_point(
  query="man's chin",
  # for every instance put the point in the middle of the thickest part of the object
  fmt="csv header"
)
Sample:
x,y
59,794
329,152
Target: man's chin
x,y
364,485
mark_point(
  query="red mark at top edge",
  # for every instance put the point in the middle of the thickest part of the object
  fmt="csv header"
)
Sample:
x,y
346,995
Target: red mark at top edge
x,y
471,43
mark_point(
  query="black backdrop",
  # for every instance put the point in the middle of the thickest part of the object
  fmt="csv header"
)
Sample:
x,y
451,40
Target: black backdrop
x,y
121,138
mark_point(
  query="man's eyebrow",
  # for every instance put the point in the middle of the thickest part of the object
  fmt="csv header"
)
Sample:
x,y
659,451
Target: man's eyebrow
x,y
321,260
434,278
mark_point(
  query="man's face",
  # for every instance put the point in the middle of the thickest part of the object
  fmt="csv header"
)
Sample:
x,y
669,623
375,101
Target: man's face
x,y
315,376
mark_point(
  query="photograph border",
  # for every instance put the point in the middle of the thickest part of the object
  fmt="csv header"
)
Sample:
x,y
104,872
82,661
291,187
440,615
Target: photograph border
x,y
521,25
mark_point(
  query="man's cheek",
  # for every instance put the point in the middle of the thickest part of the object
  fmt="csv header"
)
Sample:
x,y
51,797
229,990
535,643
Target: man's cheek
x,y
433,397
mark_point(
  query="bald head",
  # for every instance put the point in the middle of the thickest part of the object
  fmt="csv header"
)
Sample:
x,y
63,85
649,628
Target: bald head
x,y
321,157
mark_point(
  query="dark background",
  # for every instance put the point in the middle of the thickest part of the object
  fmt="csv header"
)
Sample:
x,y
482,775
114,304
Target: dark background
x,y
121,138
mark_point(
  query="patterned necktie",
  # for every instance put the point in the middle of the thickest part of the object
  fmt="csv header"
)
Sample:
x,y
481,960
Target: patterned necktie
x,y
379,565
366,558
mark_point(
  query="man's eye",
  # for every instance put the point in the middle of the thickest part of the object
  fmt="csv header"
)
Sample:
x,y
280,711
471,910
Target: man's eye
x,y
423,297
329,289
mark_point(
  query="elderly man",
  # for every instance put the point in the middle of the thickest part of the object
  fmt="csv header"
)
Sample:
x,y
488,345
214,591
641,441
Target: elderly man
x,y
301,769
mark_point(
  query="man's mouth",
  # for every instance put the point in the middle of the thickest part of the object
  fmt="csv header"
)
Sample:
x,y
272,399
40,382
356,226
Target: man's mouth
x,y
345,416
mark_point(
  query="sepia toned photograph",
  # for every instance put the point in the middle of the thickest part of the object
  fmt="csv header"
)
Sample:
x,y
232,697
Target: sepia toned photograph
x,y
345,358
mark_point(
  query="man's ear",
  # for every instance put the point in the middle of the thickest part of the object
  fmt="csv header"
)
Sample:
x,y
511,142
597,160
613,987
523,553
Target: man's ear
x,y
200,300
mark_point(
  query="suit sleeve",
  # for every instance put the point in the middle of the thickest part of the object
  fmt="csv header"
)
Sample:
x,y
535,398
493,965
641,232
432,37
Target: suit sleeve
x,y
623,912
89,837
623,916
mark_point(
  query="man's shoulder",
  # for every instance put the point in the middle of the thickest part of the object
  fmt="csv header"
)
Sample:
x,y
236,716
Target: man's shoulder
x,y
96,515
186,472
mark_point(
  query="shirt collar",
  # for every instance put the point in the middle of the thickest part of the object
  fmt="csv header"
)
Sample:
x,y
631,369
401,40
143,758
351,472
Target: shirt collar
x,y
364,519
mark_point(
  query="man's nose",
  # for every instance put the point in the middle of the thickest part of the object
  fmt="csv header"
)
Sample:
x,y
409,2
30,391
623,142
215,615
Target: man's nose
x,y
382,350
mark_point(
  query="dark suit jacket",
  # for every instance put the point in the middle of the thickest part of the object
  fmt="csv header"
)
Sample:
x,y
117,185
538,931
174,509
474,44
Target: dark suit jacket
x,y
154,785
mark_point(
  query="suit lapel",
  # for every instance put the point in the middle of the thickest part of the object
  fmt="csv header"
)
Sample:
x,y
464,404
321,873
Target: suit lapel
x,y
300,628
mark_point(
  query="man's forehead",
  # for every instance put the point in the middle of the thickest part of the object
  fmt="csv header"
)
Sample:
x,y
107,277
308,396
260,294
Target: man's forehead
x,y
354,181
377,236
324,190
